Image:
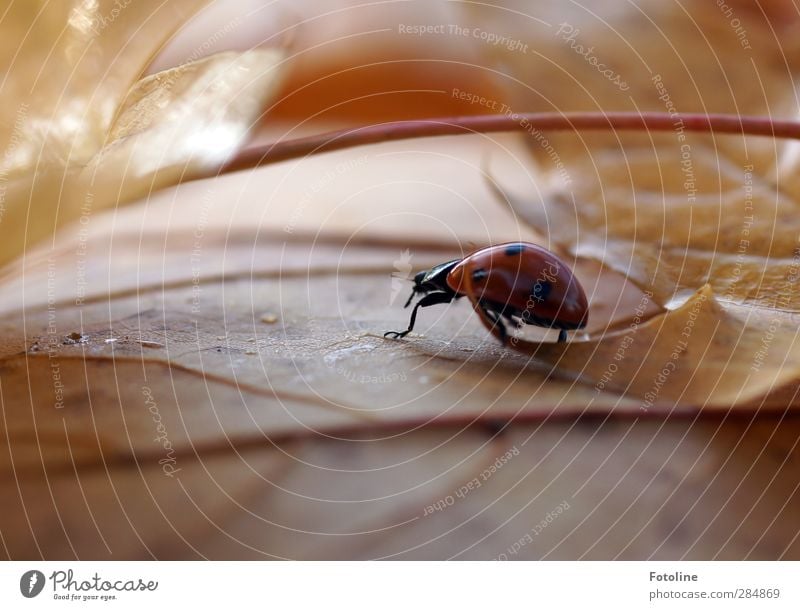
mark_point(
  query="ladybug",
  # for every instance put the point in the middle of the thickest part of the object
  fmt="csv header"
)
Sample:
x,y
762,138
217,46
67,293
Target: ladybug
x,y
520,282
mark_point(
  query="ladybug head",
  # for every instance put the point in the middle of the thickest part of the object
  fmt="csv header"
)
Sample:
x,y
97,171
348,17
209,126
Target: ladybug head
x,y
432,280
419,279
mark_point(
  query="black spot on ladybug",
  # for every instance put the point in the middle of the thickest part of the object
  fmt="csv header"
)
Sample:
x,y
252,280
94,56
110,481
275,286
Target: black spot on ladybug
x,y
514,249
479,275
541,290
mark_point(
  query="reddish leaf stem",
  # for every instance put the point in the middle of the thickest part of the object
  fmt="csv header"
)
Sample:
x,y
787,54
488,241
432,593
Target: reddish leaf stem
x,y
543,121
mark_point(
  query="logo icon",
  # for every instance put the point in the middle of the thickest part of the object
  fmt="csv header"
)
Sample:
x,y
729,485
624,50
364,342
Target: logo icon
x,y
401,273
31,583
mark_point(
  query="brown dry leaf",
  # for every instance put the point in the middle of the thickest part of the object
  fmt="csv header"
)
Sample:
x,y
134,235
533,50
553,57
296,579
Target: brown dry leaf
x,y
281,332
205,376
690,490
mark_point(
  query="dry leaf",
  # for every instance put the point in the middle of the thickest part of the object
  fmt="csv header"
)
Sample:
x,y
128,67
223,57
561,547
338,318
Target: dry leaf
x,y
180,122
205,375
84,139
193,300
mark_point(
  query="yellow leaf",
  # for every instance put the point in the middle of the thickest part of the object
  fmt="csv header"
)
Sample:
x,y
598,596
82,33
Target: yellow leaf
x,y
83,138
182,121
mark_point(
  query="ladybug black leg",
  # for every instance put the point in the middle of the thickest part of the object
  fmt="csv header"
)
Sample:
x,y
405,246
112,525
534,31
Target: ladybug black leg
x,y
410,298
434,298
562,336
497,322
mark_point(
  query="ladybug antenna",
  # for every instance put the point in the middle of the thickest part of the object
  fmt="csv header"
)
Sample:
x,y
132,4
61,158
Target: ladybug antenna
x,y
410,298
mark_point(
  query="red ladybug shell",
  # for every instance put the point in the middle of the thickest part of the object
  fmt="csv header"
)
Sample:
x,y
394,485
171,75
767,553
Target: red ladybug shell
x,y
525,281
